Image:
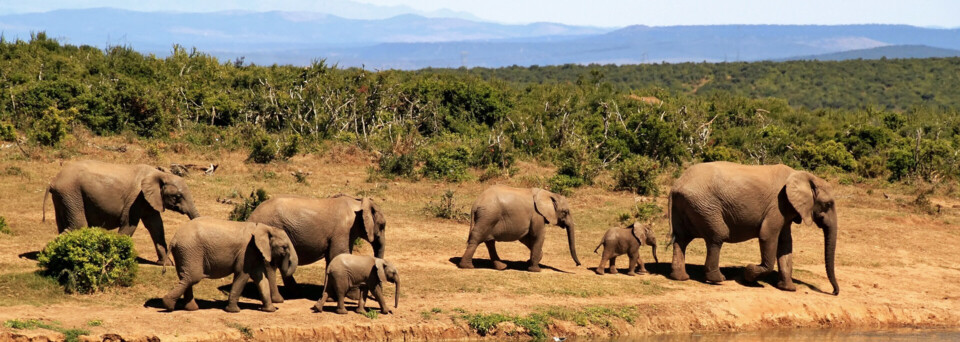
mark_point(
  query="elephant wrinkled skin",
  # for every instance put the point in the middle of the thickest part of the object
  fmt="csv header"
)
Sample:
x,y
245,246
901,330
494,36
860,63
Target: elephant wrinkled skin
x,y
503,213
322,228
348,272
91,193
726,202
214,248
620,241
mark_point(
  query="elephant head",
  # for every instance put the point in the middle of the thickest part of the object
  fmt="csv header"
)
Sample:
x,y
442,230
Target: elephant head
x,y
810,197
276,248
373,225
387,272
555,210
644,235
164,190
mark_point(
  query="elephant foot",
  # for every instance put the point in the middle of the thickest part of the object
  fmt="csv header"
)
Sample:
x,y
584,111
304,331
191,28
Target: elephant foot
x,y
752,272
269,308
787,286
681,276
318,308
360,311
386,311
169,303
598,271
715,277
534,268
499,265
232,307
643,272
192,306
465,265
341,311
276,298
632,274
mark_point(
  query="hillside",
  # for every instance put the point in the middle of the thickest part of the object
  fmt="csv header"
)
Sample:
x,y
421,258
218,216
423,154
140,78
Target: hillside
x,y
890,52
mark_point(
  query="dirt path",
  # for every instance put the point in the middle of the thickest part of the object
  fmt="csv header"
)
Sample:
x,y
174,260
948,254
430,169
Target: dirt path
x,y
897,268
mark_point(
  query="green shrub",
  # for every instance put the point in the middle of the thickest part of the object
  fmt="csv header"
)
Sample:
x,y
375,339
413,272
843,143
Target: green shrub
x,y
7,132
638,174
262,149
643,211
69,335
241,210
900,163
450,164
447,208
4,228
562,184
90,259
870,166
829,153
291,148
721,153
396,165
51,128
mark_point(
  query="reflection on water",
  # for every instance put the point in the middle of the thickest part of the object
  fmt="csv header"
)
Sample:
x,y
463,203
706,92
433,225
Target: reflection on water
x,y
804,335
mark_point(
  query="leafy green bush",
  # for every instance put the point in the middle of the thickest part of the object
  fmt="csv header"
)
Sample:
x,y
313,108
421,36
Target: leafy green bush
x,y
450,164
4,228
829,153
7,132
576,167
396,165
241,210
446,208
51,128
721,153
900,163
562,184
90,259
291,148
262,149
870,166
638,174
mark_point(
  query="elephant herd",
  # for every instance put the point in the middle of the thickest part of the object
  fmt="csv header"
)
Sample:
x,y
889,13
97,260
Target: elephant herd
x,y
718,202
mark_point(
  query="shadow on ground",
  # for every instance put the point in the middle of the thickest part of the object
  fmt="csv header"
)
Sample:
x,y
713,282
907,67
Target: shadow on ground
x,y
511,265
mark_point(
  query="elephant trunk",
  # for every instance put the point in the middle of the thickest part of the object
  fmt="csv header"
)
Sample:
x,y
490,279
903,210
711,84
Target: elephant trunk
x,y
289,264
572,241
655,259
378,246
829,254
192,212
396,295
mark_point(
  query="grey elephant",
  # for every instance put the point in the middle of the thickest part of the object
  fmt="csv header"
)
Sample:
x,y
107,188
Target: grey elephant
x,y
322,228
92,193
348,272
215,248
726,202
620,241
503,213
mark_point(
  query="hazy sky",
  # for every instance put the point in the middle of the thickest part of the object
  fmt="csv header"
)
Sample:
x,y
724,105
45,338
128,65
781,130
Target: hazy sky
x,y
607,13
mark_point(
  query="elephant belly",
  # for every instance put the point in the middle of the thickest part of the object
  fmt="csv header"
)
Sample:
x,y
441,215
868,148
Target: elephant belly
x,y
98,216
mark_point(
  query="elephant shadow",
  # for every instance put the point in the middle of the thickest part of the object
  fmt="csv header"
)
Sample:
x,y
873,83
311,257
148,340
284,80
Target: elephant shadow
x,y
734,273
203,304
624,270
30,255
511,265
303,291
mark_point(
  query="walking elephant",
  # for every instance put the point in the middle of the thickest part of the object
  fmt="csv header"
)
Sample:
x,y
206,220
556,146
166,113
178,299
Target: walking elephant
x,y
347,272
503,213
726,202
214,248
620,241
322,228
91,193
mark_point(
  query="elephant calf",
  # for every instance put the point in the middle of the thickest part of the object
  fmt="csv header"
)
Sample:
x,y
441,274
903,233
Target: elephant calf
x,y
214,248
620,241
348,272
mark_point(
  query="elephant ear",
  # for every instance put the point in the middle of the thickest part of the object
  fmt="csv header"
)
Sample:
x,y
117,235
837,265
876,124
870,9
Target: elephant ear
x,y
639,232
380,273
152,188
545,204
261,238
800,195
369,223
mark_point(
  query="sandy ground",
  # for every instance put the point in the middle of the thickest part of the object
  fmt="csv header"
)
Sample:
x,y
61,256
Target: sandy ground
x,y
896,267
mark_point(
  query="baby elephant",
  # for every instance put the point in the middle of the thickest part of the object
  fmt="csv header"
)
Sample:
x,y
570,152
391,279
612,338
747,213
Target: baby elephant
x,y
619,241
366,273
214,248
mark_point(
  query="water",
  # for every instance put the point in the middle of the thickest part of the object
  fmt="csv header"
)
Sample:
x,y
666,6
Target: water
x,y
805,335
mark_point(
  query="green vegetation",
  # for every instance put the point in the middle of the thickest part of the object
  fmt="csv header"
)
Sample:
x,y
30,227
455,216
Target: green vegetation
x,y
371,314
4,228
535,324
70,335
89,259
446,207
243,329
94,323
880,119
246,205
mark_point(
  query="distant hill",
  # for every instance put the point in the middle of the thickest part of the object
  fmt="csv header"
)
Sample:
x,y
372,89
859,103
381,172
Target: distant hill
x,y
892,51
411,41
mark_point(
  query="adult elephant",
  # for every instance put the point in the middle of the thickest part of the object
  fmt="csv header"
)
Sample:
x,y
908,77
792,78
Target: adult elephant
x,y
322,228
503,213
727,202
92,193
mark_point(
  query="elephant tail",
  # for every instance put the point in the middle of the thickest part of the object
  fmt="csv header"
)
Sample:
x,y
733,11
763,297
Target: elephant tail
x,y
46,194
598,247
670,221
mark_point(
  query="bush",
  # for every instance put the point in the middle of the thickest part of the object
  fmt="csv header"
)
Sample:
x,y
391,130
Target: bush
x,y
562,184
638,174
721,153
871,166
241,211
447,208
51,128
262,149
826,154
900,162
449,164
291,148
90,259
396,165
7,132
4,228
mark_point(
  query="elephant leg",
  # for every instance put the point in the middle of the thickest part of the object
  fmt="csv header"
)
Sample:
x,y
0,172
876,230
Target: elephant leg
x,y
362,302
378,295
191,301
492,249
536,252
785,260
341,307
272,282
679,266
170,299
636,263
713,263
154,225
239,281
318,307
613,265
768,254
260,278
604,259
467,260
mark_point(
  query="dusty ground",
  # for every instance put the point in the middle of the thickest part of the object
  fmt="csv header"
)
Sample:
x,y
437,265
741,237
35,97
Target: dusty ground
x,y
896,266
